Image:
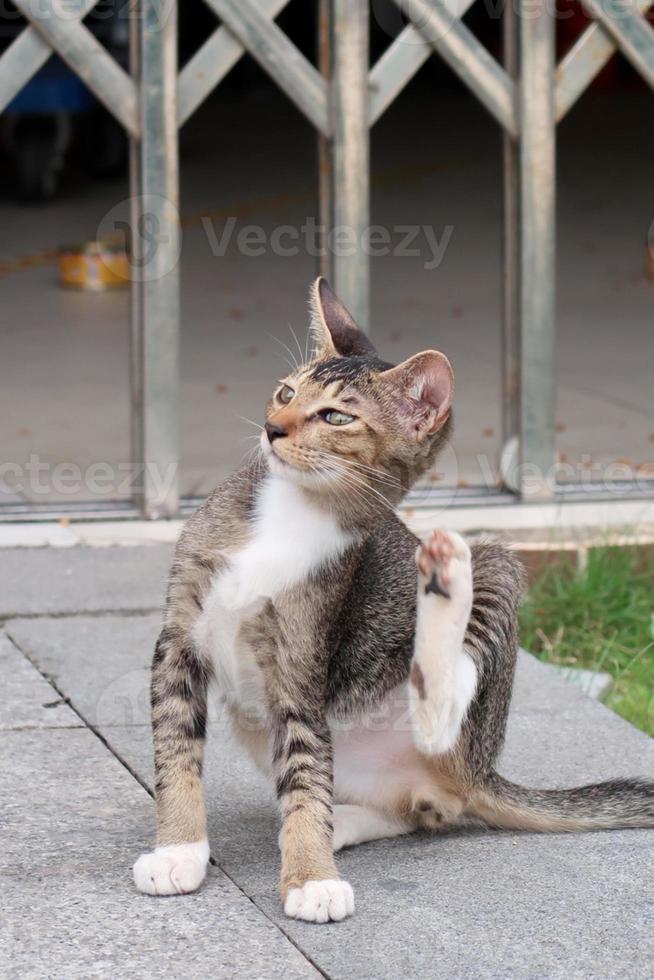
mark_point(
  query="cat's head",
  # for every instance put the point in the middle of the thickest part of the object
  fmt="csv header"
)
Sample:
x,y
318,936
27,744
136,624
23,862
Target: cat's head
x,y
347,420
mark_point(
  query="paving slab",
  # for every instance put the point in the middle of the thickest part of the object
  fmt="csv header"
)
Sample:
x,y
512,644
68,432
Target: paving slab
x,y
474,904
104,659
41,581
28,701
72,820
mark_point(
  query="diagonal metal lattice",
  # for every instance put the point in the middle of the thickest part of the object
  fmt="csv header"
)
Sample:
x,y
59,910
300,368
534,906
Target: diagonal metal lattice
x,y
75,44
29,52
211,62
629,32
401,60
270,47
437,26
597,45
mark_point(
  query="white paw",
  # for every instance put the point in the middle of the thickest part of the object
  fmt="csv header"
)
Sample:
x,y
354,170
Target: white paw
x,y
444,567
175,869
320,901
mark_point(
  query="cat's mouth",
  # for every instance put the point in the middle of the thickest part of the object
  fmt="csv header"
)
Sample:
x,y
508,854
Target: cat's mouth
x,y
274,460
306,476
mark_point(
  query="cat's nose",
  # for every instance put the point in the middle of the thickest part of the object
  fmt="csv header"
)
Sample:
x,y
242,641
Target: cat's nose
x,y
274,431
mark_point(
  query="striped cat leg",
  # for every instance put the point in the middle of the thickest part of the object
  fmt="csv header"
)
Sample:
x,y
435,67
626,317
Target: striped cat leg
x,y
179,710
443,675
303,764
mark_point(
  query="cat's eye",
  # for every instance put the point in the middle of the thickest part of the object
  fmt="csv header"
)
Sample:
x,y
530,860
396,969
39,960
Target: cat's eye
x,y
285,394
334,417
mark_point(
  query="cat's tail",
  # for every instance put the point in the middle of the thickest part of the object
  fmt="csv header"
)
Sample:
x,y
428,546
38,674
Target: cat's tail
x,y
615,803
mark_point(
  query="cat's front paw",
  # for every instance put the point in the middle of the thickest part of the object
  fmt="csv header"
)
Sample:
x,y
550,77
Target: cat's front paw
x,y
175,869
320,901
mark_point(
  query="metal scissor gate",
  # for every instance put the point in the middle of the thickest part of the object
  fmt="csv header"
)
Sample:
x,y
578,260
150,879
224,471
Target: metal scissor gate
x,y
528,96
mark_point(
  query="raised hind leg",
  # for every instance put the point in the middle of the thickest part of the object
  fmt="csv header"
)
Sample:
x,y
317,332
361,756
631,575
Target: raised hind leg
x,y
443,676
458,697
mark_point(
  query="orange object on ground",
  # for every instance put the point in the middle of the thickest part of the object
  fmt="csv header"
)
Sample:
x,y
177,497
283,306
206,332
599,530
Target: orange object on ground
x,y
95,266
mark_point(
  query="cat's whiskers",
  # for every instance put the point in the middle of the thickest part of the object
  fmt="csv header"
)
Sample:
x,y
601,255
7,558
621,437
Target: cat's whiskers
x,y
368,470
362,492
289,364
303,359
251,422
364,471
357,485
347,486
252,455
372,473
337,464
293,363
306,347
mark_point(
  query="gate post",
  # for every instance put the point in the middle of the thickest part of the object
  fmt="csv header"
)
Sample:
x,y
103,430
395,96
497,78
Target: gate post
x,y
155,248
511,245
349,171
537,122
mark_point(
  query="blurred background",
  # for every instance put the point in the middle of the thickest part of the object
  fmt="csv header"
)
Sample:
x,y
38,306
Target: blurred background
x,y
248,157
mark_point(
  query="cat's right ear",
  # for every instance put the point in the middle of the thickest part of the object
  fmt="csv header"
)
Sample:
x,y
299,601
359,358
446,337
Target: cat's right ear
x,y
332,325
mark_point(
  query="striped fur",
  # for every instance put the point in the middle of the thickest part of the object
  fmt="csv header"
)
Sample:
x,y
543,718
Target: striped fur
x,y
178,696
336,650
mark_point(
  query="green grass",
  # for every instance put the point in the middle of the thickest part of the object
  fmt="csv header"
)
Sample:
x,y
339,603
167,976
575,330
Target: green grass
x,y
603,618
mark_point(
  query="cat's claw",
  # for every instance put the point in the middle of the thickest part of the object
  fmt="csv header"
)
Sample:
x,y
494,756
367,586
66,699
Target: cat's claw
x,y
320,901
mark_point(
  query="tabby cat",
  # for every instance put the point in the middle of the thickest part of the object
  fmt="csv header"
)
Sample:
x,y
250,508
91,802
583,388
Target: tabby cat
x,y
368,674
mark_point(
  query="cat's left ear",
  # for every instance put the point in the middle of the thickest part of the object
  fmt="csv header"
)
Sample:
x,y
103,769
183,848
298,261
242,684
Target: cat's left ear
x,y
423,388
333,326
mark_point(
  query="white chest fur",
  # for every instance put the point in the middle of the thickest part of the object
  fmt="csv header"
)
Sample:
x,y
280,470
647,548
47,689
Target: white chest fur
x,y
291,538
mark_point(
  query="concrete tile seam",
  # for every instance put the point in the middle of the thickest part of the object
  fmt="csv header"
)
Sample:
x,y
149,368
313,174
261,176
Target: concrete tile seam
x,y
86,613
277,925
41,728
91,728
85,723
216,864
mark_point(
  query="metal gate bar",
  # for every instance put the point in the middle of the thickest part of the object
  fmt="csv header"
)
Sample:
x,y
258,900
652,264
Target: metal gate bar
x,y
535,175
342,100
350,149
511,311
155,264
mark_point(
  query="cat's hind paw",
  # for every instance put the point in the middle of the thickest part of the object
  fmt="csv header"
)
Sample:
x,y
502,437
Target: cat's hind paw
x,y
444,565
175,869
320,901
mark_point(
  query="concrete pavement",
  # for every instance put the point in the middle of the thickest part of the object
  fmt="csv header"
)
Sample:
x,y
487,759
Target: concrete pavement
x,y
76,639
